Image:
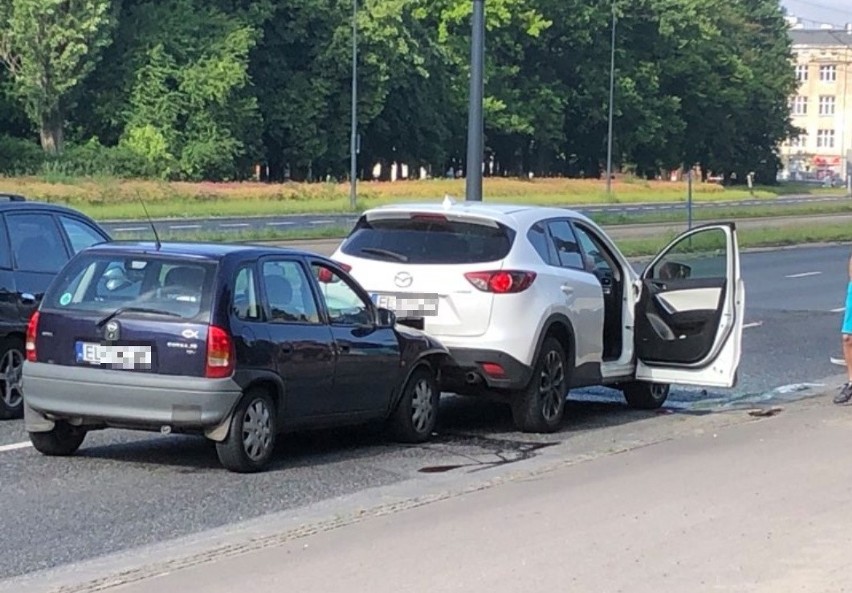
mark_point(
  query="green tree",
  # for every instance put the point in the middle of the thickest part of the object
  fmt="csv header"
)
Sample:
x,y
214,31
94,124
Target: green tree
x,y
49,47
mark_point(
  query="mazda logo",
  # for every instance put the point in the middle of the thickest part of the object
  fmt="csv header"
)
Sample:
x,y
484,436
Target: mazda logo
x,y
403,279
112,331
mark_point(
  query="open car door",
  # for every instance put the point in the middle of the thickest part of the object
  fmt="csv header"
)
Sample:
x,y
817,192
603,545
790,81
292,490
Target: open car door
x,y
689,318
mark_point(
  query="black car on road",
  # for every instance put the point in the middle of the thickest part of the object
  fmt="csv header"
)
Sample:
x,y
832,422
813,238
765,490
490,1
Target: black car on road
x,y
36,240
234,342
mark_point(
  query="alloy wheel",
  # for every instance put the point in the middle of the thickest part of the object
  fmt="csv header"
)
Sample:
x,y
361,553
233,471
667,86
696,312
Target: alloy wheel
x,y
552,386
257,430
11,367
422,405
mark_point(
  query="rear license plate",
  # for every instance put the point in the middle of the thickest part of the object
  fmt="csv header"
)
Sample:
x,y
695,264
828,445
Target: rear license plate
x,y
116,357
407,304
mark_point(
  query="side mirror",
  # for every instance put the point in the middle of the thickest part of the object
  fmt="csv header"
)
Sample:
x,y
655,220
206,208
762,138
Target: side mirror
x,y
387,318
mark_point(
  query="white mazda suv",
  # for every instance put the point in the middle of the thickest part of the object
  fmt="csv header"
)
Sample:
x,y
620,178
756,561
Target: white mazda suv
x,y
534,301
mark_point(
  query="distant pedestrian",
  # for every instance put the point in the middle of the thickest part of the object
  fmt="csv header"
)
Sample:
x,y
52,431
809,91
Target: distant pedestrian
x,y
846,391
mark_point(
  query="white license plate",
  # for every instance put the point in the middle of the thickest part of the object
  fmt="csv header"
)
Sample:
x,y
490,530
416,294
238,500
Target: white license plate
x,y
120,357
404,305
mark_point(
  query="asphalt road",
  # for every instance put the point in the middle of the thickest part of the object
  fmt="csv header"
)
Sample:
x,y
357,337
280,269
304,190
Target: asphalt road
x,y
132,228
126,489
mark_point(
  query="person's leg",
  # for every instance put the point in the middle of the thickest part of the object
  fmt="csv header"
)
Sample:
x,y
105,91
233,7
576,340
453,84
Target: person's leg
x,y
846,392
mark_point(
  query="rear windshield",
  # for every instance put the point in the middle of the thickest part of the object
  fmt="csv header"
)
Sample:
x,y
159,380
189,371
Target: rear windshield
x,y
143,284
428,240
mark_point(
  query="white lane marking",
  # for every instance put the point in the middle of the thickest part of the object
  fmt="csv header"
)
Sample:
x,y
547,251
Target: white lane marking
x,y
321,221
130,229
15,446
838,310
803,275
753,324
282,223
232,225
184,226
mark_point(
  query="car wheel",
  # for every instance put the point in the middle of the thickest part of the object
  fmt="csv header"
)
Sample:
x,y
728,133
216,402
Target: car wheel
x,y
251,437
645,396
11,367
416,415
62,441
541,406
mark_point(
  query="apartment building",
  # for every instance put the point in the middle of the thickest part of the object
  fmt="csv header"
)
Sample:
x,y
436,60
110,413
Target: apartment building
x,y
822,106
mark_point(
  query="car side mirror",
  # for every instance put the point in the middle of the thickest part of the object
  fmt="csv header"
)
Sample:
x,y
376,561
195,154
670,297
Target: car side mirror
x,y
387,318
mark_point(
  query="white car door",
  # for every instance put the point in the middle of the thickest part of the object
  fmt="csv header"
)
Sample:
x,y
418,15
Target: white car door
x,y
689,316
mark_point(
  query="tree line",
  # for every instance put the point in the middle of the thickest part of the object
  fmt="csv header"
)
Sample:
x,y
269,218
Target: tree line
x,y
208,89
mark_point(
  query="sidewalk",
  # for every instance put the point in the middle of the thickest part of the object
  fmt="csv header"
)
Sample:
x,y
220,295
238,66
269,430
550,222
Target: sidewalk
x,y
764,506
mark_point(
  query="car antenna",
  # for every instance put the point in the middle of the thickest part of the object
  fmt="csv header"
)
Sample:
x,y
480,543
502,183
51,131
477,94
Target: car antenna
x,y
151,222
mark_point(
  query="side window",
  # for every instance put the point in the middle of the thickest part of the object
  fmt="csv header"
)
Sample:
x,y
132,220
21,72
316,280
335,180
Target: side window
x,y
597,258
5,255
288,293
80,234
537,236
344,305
36,243
565,244
246,305
702,255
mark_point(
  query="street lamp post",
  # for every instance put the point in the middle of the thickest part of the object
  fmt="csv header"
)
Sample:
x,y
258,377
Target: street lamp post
x,y
353,141
611,106
475,123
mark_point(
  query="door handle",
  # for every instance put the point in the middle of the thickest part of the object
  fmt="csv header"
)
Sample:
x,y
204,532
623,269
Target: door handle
x,y
567,289
286,349
659,285
344,348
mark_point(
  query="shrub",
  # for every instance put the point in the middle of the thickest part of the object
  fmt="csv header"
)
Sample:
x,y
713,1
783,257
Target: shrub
x,y
19,156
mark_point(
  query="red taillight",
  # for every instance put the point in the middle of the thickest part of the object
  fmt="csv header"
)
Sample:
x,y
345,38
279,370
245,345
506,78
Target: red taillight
x,y
502,281
32,330
326,276
426,217
493,369
220,354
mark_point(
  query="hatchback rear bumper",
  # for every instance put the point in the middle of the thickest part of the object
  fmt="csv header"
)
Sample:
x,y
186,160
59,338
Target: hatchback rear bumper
x,y
472,368
123,399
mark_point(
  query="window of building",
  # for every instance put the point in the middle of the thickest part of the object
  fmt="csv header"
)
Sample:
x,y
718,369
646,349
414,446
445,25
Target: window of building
x,y
801,72
799,141
825,139
799,105
828,73
826,105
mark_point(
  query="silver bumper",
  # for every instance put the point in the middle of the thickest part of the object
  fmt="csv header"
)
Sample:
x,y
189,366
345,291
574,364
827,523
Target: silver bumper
x,y
133,400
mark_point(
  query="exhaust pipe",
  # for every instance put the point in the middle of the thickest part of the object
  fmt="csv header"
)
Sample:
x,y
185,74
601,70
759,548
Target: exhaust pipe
x,y
472,378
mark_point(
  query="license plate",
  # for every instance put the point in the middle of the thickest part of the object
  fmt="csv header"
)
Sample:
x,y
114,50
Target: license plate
x,y
415,305
116,357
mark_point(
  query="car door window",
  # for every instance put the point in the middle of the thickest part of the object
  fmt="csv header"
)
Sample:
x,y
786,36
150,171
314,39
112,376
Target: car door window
x,y
288,293
596,256
538,238
701,256
80,234
344,305
246,305
565,244
36,243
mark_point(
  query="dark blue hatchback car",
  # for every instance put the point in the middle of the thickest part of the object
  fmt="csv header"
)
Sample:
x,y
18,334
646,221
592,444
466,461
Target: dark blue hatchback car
x,y
237,343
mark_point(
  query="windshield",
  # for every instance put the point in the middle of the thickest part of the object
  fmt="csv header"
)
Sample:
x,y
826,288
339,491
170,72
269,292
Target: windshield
x,y
134,285
428,240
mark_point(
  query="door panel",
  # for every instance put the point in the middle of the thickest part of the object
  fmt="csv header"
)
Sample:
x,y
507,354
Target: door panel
x,y
302,345
368,356
689,315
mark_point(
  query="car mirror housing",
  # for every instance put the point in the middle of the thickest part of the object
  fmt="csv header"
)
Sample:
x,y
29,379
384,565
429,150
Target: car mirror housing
x,y
386,318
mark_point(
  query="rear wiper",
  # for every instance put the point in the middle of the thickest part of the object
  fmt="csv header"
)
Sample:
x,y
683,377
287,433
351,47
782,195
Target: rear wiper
x,y
121,310
385,252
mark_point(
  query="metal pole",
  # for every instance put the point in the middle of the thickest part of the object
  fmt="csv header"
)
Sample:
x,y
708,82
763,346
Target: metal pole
x,y
611,105
475,123
689,199
353,141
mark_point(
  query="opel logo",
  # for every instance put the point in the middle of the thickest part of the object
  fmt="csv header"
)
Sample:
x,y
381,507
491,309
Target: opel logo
x,y
403,279
112,331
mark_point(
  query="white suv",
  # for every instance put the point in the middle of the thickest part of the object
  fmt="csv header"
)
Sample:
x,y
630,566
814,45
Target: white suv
x,y
533,301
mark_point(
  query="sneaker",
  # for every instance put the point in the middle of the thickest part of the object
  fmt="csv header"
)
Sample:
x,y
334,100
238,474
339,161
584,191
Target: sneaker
x,y
845,394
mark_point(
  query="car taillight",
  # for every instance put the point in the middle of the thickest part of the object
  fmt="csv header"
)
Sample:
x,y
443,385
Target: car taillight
x,y
32,330
502,281
220,354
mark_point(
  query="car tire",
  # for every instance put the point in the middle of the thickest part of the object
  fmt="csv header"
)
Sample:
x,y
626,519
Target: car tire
x,y
540,407
11,367
251,435
63,440
416,414
642,395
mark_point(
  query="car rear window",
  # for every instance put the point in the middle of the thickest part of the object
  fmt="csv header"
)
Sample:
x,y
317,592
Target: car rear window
x,y
428,240
102,284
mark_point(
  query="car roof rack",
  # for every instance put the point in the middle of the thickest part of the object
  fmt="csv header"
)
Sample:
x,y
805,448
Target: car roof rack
x,y
12,197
